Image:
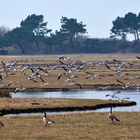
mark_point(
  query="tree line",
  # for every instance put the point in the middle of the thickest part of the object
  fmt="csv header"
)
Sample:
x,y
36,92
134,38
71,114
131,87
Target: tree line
x,y
34,37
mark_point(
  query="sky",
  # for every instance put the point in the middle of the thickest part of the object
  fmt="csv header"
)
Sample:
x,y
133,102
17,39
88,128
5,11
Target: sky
x,y
97,15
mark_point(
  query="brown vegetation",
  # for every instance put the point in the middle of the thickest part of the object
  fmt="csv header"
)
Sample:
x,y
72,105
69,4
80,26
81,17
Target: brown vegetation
x,y
8,105
86,126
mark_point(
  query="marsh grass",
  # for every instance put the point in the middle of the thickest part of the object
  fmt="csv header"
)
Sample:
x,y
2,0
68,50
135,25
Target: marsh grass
x,y
8,103
86,126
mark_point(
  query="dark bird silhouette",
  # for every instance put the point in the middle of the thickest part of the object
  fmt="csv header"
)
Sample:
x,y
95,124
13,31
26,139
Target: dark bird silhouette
x,y
127,85
78,85
62,62
1,114
44,70
60,75
1,78
73,82
1,124
120,82
113,95
138,57
63,58
116,60
107,67
65,68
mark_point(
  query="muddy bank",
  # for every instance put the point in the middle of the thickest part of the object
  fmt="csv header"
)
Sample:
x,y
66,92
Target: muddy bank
x,y
61,109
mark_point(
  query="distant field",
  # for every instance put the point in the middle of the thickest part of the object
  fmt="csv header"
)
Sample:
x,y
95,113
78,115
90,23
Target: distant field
x,y
81,57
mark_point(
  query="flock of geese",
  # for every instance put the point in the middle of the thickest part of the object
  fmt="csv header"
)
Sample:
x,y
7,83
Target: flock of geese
x,y
68,72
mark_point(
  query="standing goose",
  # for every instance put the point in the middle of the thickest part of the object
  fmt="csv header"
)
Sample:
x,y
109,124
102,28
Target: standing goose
x,y
1,114
1,124
112,117
46,120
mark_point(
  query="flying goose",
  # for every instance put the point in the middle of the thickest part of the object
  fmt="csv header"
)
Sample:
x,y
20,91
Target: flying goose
x,y
113,95
112,117
63,58
138,57
46,120
8,65
19,90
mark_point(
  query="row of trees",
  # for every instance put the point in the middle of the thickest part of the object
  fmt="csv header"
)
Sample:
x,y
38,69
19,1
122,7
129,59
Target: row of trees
x,y
34,37
129,24
33,34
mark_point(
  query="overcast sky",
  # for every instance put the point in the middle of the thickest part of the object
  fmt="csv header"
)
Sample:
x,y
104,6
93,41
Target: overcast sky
x,y
96,14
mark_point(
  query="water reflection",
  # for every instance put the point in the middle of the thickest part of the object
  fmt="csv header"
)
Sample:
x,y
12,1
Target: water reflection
x,y
85,94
